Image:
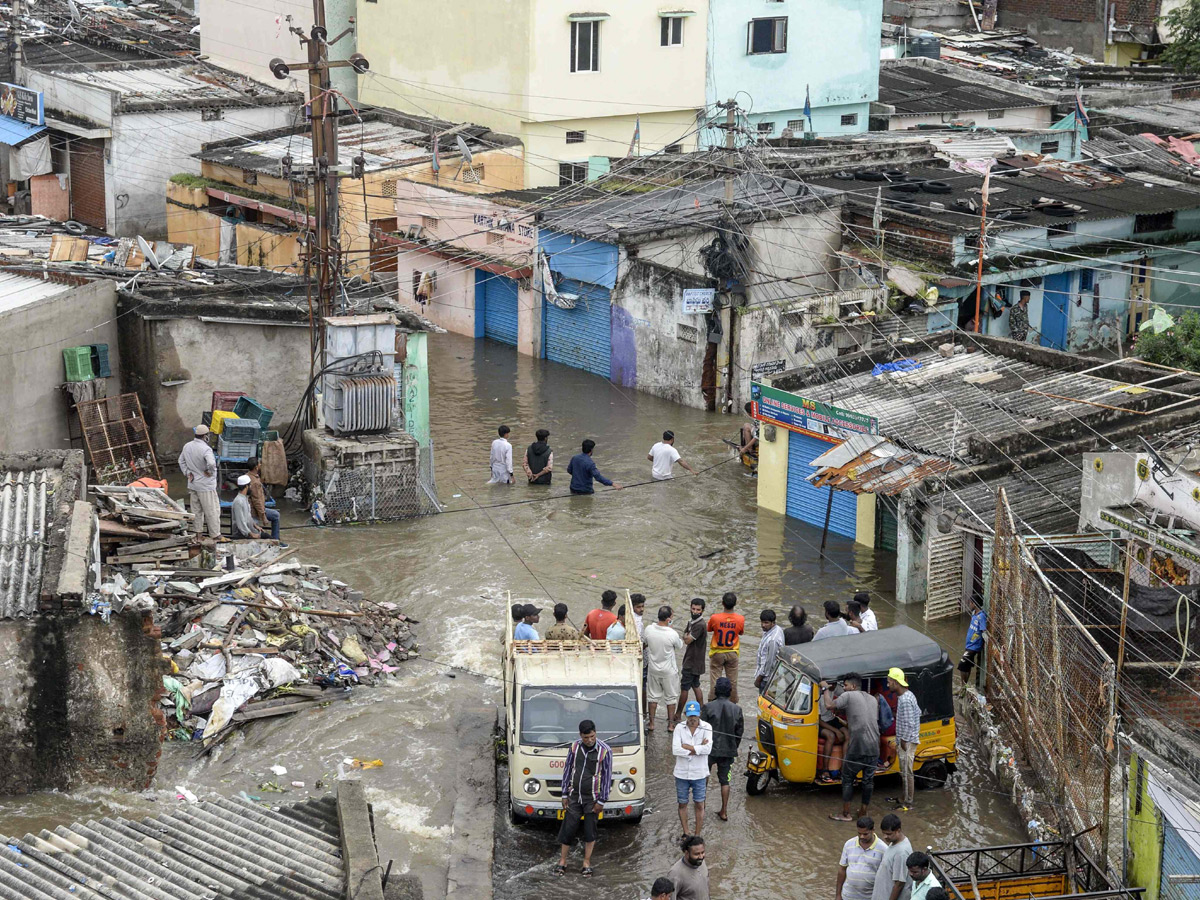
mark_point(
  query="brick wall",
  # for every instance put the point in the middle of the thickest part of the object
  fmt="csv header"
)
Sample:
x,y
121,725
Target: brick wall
x,y
1070,10
904,239
1172,702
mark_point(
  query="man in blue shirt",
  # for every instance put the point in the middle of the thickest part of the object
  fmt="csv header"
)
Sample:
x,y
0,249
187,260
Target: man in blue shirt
x,y
525,630
582,470
974,642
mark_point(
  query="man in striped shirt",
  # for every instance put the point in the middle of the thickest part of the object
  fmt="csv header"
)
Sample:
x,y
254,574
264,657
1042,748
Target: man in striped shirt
x,y
908,732
587,777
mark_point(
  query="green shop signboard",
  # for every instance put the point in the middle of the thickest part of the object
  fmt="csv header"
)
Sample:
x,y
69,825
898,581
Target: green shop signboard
x,y
796,413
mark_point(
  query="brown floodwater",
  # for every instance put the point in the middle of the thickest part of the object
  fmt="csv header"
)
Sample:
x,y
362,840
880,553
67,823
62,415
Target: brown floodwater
x,y
672,541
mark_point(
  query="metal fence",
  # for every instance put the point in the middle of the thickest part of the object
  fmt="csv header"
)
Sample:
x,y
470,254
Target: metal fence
x,y
1054,688
371,487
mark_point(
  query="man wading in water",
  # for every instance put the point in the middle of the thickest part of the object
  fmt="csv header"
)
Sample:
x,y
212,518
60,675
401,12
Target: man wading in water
x,y
539,459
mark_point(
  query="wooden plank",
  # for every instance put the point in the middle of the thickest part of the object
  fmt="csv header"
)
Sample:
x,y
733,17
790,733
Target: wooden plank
x,y
117,529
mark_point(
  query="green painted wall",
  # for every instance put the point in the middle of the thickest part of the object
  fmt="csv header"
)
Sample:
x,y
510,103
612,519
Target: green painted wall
x,y
1144,832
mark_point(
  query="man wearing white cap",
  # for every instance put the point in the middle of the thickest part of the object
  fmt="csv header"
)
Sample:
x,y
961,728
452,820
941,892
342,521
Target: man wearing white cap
x,y
244,525
196,461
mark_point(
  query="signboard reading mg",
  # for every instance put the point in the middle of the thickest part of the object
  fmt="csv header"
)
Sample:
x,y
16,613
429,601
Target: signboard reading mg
x,y
796,413
22,104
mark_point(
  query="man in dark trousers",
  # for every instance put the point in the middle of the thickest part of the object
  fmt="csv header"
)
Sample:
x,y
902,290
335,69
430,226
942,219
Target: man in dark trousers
x,y
583,471
695,641
862,749
587,776
728,725
539,459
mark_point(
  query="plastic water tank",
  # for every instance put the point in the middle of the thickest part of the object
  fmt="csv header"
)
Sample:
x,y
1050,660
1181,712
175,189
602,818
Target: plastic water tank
x,y
926,45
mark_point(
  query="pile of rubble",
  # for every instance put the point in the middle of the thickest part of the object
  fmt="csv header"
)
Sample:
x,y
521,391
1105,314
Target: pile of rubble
x,y
249,632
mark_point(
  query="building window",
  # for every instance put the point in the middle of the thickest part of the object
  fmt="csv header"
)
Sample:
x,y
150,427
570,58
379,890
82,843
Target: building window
x,y
795,124
1154,222
495,237
431,222
576,137
673,148
671,31
1087,278
767,35
850,119
1049,147
585,46
572,173
995,114
249,177
765,128
211,114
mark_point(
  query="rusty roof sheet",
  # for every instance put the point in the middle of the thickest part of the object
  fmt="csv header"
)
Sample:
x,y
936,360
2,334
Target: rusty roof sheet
x,y
867,463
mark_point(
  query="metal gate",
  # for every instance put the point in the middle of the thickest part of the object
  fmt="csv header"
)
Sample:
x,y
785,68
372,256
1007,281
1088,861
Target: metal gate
x,y
87,182
1056,306
581,337
499,307
808,503
943,574
886,524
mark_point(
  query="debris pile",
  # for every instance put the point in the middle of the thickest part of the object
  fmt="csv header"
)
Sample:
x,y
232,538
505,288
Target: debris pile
x,y
249,632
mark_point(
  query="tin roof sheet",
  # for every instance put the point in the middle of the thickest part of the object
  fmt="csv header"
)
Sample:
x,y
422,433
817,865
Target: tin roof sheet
x,y
21,290
24,500
928,86
868,464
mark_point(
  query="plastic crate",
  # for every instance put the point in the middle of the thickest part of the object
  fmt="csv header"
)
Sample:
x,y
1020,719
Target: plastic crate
x,y
219,417
78,363
100,361
226,399
249,408
268,436
239,451
206,419
244,431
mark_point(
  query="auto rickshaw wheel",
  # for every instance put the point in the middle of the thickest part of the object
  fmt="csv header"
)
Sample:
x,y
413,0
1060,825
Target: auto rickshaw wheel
x,y
757,783
932,775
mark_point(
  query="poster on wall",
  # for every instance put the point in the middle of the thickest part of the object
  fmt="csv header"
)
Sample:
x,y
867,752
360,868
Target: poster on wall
x,y
771,367
796,413
22,104
698,300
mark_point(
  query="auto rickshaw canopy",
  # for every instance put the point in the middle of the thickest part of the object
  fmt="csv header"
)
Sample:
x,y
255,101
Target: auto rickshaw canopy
x,y
870,653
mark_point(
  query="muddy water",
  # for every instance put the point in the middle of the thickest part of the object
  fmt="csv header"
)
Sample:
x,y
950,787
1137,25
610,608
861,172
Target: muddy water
x,y
453,571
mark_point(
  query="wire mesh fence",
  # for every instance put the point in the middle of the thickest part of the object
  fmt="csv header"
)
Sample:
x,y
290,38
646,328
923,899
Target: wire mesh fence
x,y
1054,688
380,478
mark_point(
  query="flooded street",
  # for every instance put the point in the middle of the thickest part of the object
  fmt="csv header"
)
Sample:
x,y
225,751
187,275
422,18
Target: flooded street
x,y
697,536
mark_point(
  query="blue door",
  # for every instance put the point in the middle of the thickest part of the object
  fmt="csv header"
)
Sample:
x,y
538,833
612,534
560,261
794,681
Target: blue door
x,y
499,296
1056,295
581,337
808,503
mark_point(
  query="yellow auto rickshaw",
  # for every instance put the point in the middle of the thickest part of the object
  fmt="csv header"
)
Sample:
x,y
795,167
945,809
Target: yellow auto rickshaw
x,y
789,742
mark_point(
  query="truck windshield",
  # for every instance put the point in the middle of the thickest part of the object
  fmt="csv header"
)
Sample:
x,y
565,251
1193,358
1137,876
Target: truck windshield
x,y
790,690
551,715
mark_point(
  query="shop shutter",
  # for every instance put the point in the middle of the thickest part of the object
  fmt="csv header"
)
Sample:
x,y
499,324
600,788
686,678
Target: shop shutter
x,y
581,337
808,503
943,574
499,308
1178,858
885,523
87,182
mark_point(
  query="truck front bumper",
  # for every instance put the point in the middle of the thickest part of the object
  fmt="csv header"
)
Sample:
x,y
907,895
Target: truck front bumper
x,y
541,810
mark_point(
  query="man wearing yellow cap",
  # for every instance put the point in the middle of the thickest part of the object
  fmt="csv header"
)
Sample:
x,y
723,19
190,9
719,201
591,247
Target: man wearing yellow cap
x,y
908,732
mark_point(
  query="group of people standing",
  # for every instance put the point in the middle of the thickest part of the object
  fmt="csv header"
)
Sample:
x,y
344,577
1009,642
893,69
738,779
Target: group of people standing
x,y
872,868
538,462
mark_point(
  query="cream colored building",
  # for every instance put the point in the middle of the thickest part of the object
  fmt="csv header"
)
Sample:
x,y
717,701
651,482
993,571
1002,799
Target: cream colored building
x,y
571,82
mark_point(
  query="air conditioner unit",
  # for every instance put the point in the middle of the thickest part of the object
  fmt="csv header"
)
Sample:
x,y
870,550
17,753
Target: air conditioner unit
x,y
359,384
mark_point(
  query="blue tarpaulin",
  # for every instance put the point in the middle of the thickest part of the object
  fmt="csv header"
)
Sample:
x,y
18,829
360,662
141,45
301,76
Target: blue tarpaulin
x,y
900,365
15,133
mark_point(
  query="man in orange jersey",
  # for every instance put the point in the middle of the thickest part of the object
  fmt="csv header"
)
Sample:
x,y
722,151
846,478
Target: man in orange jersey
x,y
726,627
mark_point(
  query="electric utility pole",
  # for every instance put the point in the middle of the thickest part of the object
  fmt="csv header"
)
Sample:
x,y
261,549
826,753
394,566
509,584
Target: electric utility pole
x,y
324,248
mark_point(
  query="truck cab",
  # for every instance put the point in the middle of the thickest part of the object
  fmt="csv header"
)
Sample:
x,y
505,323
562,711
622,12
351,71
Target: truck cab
x,y
549,688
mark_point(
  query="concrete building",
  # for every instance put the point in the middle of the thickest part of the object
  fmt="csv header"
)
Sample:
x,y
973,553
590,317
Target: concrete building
x,y
120,130
570,83
919,93
77,706
781,53
1119,32
41,317
251,203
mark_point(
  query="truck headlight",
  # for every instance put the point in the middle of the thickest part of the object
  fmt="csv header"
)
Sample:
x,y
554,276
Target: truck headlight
x,y
627,786
532,785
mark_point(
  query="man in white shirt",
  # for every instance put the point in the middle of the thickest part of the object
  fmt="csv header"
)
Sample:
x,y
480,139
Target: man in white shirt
x,y
663,455
768,648
691,743
868,620
502,470
662,669
835,623
197,462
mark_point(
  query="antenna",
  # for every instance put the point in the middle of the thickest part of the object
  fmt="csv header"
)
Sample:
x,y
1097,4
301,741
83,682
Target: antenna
x,y
148,252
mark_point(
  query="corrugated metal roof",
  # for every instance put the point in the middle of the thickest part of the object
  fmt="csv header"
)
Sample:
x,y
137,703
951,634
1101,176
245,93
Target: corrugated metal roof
x,y
21,290
152,83
868,464
24,497
920,87
223,848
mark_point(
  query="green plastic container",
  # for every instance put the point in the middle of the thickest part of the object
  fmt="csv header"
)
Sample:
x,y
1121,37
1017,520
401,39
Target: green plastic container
x,y
78,363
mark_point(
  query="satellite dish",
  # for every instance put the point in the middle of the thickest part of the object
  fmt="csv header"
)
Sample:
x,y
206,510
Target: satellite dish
x,y
148,252
463,148
76,17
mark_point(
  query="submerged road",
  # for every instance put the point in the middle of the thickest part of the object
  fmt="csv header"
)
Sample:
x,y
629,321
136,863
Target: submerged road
x,y
696,536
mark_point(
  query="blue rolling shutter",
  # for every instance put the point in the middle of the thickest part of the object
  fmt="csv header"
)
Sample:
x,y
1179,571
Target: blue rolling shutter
x,y
499,308
1178,858
807,503
581,337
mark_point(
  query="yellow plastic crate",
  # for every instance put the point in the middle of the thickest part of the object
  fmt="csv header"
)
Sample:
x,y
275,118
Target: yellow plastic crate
x,y
218,420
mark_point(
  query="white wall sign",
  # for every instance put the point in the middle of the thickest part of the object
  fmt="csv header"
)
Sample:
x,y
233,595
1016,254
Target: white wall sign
x,y
698,300
773,367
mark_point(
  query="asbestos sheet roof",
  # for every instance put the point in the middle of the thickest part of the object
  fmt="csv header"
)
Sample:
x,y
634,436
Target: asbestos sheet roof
x,y
153,84
920,88
1175,116
17,291
1043,499
868,464
223,848
25,498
